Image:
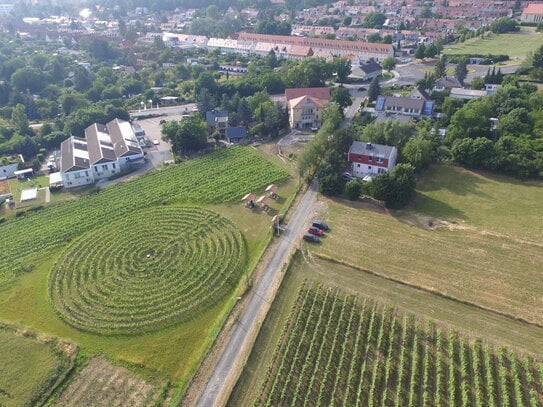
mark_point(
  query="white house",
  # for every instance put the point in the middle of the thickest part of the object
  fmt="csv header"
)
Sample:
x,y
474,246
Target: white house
x,y
371,159
105,151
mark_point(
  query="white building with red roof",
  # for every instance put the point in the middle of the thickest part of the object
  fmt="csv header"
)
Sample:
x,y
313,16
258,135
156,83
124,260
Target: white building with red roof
x,y
533,13
305,107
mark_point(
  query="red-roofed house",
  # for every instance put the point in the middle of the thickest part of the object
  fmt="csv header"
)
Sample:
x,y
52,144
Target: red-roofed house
x,y
305,107
533,13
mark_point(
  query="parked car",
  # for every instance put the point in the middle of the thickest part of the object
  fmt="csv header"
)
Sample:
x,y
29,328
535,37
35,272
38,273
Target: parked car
x,y
348,176
311,238
315,231
156,142
320,225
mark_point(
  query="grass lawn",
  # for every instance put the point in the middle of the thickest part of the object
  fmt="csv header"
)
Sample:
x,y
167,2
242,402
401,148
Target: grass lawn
x,y
492,203
29,368
516,45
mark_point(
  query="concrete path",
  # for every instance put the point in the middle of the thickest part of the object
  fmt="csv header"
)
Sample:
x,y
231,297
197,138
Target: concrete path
x,y
236,350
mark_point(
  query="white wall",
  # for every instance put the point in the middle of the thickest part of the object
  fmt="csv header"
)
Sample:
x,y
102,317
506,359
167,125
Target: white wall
x,y
77,178
105,170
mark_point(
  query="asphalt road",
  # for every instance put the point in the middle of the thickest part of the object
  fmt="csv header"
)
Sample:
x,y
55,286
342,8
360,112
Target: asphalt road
x,y
262,295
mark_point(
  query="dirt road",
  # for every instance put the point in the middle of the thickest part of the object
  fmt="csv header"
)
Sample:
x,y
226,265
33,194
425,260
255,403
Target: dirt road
x,y
238,346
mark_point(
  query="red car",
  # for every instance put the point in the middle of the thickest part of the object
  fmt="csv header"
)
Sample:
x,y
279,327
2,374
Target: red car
x,y
315,231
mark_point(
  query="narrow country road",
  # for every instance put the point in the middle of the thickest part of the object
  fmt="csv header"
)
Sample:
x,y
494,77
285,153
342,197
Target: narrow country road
x,y
243,335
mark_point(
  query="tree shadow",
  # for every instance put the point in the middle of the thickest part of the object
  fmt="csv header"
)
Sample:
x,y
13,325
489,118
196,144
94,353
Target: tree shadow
x,y
454,179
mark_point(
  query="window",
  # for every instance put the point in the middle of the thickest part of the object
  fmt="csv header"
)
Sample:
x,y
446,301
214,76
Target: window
x,y
104,166
358,165
370,158
369,167
114,164
86,173
96,168
379,159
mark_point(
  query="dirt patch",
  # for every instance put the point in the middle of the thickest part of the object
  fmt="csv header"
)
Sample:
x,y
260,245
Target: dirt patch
x,y
102,384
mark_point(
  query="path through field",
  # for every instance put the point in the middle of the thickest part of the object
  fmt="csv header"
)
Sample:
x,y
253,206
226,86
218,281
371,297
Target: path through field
x,y
238,346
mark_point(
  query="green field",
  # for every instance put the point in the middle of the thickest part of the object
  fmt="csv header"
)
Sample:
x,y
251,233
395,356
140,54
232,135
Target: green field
x,y
146,271
340,349
516,45
31,367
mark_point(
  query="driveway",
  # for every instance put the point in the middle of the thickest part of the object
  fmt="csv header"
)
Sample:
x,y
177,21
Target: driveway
x,y
241,340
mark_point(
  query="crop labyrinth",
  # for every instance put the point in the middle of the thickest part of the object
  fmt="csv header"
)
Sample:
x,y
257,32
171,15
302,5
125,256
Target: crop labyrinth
x,y
147,270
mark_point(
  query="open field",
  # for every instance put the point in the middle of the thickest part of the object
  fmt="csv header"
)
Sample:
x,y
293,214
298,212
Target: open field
x,y
31,367
492,203
340,349
102,384
484,248
516,45
214,241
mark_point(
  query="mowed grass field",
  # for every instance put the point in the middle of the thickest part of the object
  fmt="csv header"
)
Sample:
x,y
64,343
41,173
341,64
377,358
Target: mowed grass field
x,y
516,45
171,351
29,367
486,248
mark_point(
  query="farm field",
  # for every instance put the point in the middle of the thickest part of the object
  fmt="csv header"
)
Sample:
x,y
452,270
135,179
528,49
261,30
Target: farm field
x,y
471,322
342,349
204,181
31,366
516,45
102,384
146,271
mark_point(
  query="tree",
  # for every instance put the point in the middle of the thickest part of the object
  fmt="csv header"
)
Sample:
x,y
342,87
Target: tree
x,y
347,21
186,135
440,69
374,90
30,79
395,188
244,111
343,69
475,153
82,79
461,70
341,96
207,81
374,20
420,52
353,189
431,51
19,119
389,63
419,152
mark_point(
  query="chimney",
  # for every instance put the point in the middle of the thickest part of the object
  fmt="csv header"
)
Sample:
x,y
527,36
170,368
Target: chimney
x,y
369,146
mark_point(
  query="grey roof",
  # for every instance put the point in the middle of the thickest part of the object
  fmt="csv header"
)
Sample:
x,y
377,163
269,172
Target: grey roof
x,y
421,91
447,82
236,132
364,148
69,161
404,103
213,115
370,67
99,151
122,143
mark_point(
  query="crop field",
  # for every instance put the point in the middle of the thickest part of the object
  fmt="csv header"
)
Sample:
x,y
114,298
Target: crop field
x,y
516,45
338,349
102,384
219,177
147,270
30,367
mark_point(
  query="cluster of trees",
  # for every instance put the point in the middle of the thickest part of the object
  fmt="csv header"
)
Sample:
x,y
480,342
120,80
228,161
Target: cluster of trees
x,y
429,51
512,142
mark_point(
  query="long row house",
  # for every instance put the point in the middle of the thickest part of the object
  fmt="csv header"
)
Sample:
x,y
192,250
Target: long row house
x,y
105,151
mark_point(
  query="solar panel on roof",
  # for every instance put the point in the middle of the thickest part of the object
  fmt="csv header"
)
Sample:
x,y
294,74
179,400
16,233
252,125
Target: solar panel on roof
x,y
380,104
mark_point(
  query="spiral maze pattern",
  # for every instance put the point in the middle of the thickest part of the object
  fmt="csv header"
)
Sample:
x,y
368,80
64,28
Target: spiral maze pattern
x,y
148,270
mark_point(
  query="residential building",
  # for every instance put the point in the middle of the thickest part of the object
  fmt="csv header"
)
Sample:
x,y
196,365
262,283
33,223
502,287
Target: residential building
x,y
305,107
217,120
235,135
8,166
366,70
446,83
416,105
105,151
371,159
